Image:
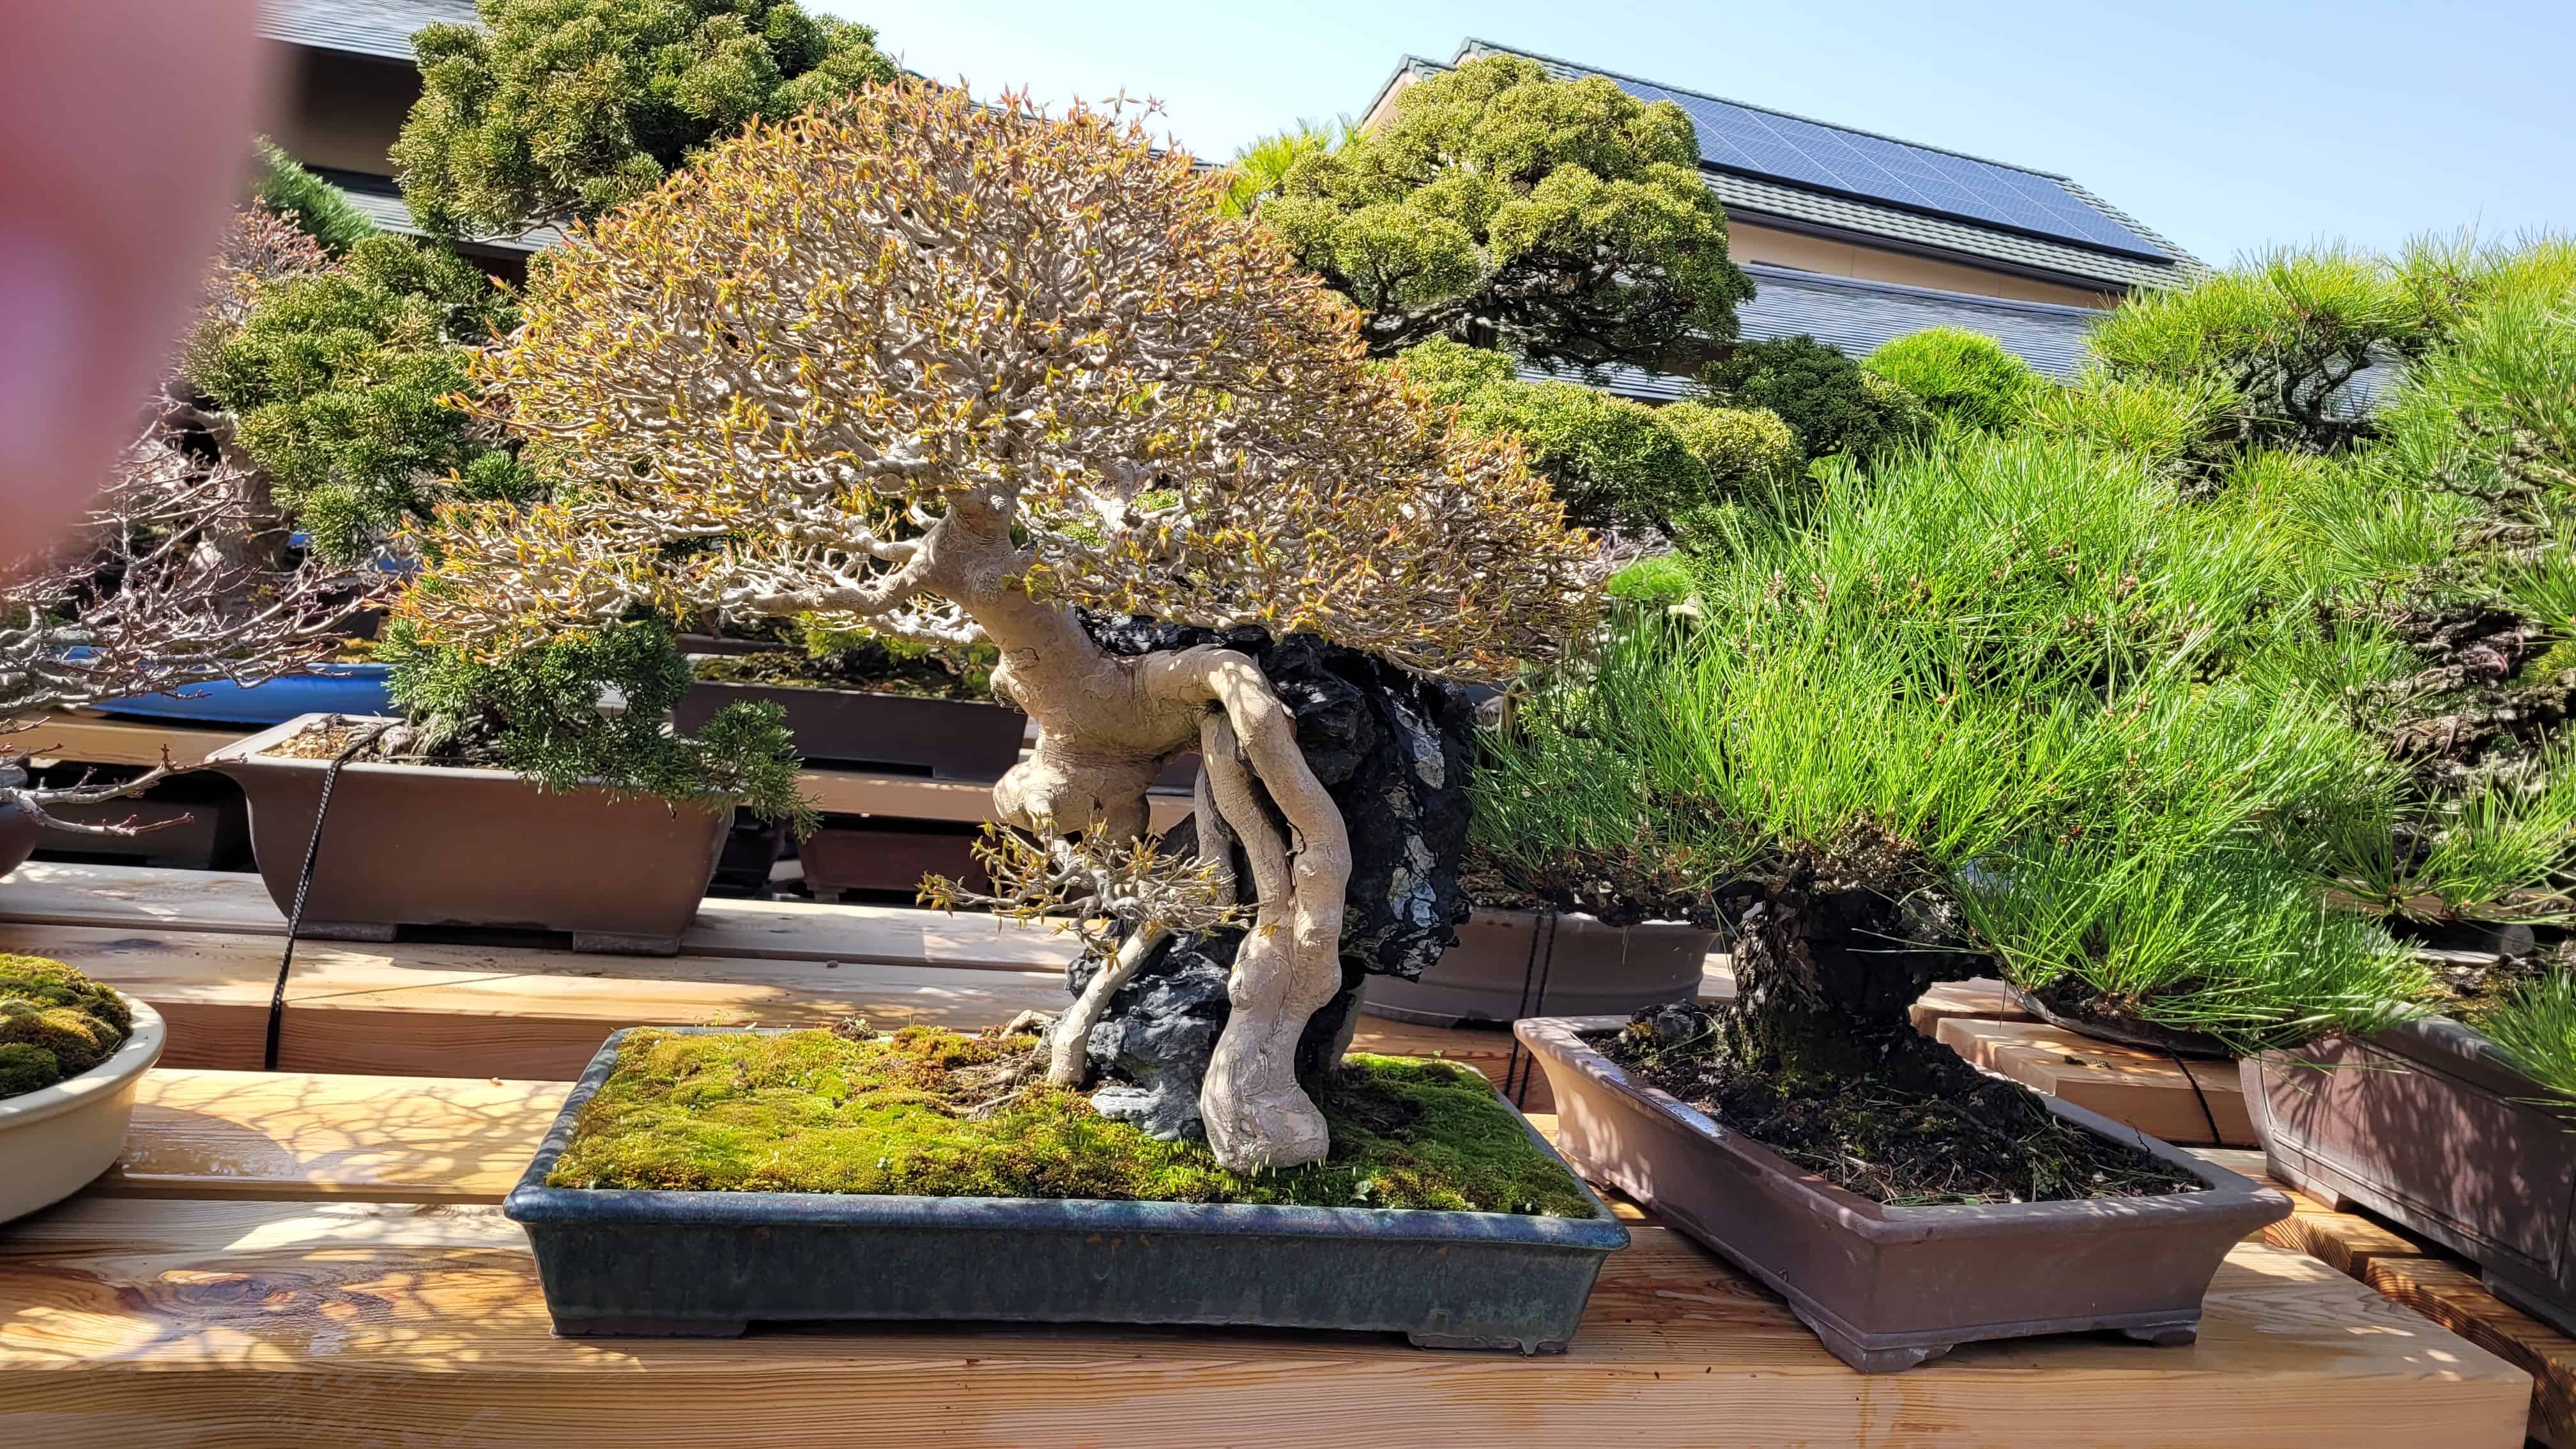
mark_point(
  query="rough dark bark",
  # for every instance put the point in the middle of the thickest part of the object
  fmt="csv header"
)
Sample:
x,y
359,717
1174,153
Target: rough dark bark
x,y
1392,749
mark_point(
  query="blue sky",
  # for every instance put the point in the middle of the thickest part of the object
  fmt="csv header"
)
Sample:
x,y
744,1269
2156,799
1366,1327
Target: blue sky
x,y
2226,126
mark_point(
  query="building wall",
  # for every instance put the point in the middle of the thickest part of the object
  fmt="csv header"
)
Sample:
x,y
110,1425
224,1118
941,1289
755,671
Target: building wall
x,y
1753,242
343,111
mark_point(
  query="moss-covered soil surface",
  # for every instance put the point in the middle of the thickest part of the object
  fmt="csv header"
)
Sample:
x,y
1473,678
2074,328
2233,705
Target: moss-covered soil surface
x,y
54,1023
937,1114
1930,1131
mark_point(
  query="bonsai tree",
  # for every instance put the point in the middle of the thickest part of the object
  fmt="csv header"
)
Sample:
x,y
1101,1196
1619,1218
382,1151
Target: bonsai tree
x,y
1833,404
552,110
1962,376
141,599
1499,208
951,371
1613,461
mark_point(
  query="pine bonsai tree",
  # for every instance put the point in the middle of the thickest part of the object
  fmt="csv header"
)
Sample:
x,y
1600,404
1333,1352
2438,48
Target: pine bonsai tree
x,y
1550,219
1966,377
1833,404
558,109
953,371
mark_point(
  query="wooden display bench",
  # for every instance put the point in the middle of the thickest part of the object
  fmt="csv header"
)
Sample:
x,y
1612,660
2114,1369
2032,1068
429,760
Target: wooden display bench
x,y
89,738
315,1260
2436,1284
203,949
2193,1104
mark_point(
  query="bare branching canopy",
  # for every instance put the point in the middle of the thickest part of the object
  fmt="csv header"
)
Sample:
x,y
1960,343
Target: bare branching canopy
x,y
768,383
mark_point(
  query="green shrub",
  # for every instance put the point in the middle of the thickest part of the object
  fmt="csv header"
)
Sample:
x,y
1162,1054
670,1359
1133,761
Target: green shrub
x,y
1745,450
1962,376
310,202
1550,219
1659,582
341,383
539,711
556,109
1832,404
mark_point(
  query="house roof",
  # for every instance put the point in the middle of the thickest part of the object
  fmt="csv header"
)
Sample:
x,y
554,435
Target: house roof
x,y
1855,316
1771,167
379,199
378,28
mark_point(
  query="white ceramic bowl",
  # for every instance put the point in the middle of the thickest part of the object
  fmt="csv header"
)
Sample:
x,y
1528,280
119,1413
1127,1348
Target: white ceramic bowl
x,y
52,1142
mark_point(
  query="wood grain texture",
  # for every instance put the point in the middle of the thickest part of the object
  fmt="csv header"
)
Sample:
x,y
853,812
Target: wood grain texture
x,y
152,1323
1979,996
411,1009
2453,1297
2148,1092
296,1135
96,739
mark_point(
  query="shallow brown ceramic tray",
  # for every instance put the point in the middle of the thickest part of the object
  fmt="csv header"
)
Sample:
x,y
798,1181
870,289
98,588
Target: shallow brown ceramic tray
x,y
953,739
2426,1123
438,845
1889,1287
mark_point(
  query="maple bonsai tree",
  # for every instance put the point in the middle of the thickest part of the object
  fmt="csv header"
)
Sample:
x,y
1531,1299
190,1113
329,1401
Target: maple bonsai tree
x,y
952,372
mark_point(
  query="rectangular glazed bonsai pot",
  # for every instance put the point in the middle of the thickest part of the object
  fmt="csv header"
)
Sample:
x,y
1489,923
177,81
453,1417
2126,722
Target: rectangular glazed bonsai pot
x,y
2427,1124
618,1261
1511,964
953,739
438,845
1888,1287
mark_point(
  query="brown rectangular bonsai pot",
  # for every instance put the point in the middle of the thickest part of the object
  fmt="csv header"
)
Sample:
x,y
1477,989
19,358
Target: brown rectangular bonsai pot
x,y
1510,964
437,845
2427,1124
855,853
1889,1287
953,739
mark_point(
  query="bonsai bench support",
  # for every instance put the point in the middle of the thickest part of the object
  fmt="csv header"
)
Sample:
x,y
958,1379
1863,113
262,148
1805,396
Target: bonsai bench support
x,y
319,1255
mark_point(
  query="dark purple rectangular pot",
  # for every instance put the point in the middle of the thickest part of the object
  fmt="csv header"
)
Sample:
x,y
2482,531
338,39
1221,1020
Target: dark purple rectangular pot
x,y
953,739
1889,1287
2426,1124
857,854
1511,964
435,845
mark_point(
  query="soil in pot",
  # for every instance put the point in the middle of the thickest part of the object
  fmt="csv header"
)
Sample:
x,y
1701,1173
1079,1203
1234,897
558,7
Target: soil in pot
x,y
1927,1129
931,1113
868,667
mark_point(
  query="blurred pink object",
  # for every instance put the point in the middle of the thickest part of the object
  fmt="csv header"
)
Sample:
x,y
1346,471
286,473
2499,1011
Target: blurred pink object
x,y
124,133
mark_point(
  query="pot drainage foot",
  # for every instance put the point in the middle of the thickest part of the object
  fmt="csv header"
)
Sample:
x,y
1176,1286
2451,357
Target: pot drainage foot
x,y
345,930
1880,1360
618,943
650,1327
1528,1347
2167,1335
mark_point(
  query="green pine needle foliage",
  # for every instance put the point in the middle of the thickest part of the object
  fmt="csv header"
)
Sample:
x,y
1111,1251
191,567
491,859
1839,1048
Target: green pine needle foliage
x,y
1550,219
552,110
313,204
1963,377
1833,404
1613,461
341,383
538,711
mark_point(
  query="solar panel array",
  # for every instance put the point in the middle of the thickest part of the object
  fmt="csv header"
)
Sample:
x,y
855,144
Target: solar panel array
x,y
1805,153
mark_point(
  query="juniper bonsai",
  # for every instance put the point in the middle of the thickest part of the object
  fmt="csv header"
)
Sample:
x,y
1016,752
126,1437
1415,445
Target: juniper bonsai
x,y
952,371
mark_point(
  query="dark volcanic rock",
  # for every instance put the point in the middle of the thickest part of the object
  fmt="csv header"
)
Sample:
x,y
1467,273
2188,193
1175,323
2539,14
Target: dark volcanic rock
x,y
1392,748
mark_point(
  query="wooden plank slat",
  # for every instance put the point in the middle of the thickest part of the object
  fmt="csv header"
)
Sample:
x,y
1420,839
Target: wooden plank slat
x,y
94,739
2454,1298
1979,996
2148,1092
149,1323
295,1135
123,896
516,1013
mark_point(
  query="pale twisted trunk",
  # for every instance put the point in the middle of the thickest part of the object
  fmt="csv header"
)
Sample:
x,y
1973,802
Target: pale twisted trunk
x,y
1106,725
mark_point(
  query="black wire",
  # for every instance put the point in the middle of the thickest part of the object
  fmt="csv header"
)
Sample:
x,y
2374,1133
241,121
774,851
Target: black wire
x,y
2206,1115
1520,1067
304,884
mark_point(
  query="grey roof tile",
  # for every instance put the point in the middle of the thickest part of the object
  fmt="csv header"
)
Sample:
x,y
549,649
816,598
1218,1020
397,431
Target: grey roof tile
x,y
380,28
377,199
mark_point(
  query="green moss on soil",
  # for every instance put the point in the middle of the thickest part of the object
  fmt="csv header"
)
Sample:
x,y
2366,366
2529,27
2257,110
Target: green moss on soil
x,y
914,1114
54,1023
